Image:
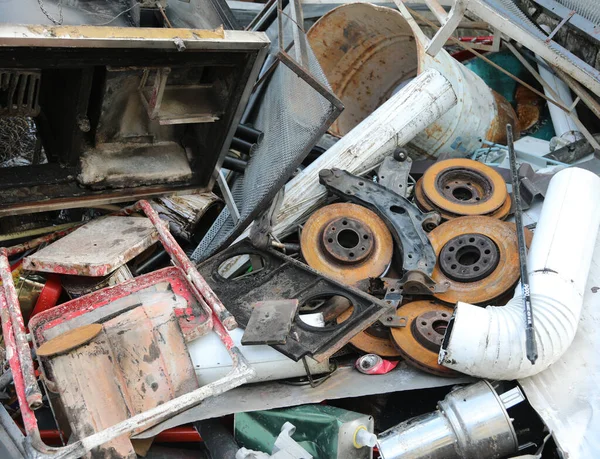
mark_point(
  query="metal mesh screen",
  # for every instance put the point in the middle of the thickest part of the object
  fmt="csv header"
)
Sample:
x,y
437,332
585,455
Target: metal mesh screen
x,y
293,116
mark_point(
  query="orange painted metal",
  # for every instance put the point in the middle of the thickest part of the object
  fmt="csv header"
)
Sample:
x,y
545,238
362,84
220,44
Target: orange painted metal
x,y
500,280
411,347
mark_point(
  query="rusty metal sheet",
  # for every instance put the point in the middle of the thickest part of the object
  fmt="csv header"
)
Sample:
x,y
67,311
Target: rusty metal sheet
x,y
138,362
95,249
270,322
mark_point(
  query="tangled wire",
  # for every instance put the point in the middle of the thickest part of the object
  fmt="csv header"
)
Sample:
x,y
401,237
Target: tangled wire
x,y
18,138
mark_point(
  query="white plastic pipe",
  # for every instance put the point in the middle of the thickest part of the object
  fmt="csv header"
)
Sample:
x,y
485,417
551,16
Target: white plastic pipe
x,y
564,126
424,100
490,342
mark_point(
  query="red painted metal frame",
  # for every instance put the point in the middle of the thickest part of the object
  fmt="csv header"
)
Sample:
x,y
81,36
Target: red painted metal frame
x,y
87,303
11,309
182,260
183,434
19,355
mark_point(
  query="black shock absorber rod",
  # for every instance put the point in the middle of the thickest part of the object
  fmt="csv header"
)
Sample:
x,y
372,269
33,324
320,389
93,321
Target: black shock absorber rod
x,y
530,343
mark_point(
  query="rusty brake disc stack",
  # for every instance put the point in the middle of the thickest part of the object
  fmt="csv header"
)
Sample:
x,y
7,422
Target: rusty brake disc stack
x,y
460,187
476,257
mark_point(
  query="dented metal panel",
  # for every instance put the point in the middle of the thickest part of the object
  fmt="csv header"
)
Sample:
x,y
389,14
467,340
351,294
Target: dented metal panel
x,y
96,249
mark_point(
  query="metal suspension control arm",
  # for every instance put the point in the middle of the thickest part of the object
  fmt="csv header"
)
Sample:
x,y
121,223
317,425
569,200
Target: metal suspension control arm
x,y
405,221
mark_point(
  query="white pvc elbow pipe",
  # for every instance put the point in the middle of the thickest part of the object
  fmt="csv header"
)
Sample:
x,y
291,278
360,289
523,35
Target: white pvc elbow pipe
x,y
490,342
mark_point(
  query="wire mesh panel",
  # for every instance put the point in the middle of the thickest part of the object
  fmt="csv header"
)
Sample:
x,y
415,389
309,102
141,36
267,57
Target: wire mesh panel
x,y
294,108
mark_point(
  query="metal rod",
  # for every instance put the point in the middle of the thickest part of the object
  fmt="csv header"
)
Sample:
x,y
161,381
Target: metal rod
x,y
229,201
32,389
554,94
530,343
180,259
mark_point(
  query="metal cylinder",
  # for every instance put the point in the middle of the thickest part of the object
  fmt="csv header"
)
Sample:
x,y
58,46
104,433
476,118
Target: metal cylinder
x,y
243,146
368,53
470,423
248,134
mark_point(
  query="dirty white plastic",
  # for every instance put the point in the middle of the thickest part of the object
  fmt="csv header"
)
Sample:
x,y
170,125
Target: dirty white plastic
x,y
395,123
490,342
564,126
212,362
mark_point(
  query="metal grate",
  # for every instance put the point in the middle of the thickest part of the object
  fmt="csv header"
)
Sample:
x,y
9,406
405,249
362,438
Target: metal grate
x,y
294,108
19,92
589,9
506,16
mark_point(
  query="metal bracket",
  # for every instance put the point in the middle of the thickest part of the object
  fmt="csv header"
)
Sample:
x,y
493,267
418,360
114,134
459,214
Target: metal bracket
x,y
419,283
448,27
229,201
393,321
403,218
283,277
576,20
566,19
260,231
393,172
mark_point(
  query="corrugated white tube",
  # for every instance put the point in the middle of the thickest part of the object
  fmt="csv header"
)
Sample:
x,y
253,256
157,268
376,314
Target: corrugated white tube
x,y
490,342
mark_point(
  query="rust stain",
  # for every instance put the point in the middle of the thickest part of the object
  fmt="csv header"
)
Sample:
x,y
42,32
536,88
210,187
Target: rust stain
x,y
153,353
529,106
506,115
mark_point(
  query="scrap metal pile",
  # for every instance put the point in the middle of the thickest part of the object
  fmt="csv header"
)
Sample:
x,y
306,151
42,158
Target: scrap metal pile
x,y
348,232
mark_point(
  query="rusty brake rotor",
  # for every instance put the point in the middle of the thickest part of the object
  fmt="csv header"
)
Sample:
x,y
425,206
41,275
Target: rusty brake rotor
x,y
459,187
346,242
351,243
477,256
420,340
501,213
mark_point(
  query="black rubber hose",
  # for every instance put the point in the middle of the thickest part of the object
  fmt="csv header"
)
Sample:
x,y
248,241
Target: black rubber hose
x,y
235,164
